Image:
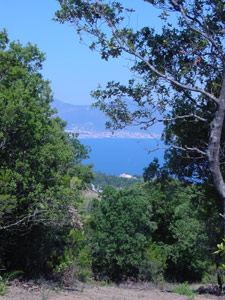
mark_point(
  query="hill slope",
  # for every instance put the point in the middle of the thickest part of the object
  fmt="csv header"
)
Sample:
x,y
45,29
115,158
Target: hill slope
x,y
90,123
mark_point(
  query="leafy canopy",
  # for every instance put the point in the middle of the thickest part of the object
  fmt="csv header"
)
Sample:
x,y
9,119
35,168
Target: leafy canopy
x,y
41,175
121,229
177,71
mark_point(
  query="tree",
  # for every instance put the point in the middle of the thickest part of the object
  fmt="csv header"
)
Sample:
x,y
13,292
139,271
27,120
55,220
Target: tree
x,y
181,229
152,170
180,69
121,229
102,180
150,231
41,175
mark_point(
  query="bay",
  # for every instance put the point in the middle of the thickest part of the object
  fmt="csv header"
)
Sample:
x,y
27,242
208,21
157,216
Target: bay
x,y
121,155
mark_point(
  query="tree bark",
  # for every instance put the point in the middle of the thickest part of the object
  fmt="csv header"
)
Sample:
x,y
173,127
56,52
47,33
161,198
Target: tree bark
x,y
214,146
214,160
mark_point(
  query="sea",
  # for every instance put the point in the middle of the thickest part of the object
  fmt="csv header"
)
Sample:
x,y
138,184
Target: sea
x,y
116,156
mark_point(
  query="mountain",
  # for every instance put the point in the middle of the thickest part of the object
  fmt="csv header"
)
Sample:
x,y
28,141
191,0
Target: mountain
x,y
90,123
83,116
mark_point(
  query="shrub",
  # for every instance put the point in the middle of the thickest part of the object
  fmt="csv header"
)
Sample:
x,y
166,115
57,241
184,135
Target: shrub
x,y
180,228
183,289
154,264
3,286
121,230
74,263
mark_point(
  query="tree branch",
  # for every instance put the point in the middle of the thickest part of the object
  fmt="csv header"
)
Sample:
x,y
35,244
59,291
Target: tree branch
x,y
121,41
123,45
183,117
23,220
195,29
191,149
172,80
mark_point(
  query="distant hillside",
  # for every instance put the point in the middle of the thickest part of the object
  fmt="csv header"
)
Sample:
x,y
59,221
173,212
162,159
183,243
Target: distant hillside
x,y
102,180
81,115
90,122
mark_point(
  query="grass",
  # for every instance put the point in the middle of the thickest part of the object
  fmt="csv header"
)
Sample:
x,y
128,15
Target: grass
x,y
184,289
3,286
45,294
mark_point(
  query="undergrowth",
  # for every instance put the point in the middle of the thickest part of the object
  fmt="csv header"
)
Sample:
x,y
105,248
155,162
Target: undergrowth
x,y
3,286
183,289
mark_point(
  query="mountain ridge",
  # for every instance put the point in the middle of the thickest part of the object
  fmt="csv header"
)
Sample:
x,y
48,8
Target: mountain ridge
x,y
89,122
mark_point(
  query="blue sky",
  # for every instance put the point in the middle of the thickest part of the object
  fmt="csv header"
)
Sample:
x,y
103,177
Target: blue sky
x,y
71,67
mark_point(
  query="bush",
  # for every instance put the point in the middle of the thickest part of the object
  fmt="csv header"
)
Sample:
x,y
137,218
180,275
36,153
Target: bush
x,y
154,264
183,289
121,229
74,263
3,286
180,229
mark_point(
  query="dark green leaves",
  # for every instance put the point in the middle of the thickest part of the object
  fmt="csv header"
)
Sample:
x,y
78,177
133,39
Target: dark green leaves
x,y
121,229
41,176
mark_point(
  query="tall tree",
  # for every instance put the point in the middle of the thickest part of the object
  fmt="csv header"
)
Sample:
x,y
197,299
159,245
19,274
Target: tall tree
x,y
41,175
181,68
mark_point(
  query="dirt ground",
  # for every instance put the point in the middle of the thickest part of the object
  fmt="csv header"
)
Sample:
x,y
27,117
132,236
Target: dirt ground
x,y
31,291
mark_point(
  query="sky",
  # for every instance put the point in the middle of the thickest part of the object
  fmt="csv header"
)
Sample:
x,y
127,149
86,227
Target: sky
x,y
73,69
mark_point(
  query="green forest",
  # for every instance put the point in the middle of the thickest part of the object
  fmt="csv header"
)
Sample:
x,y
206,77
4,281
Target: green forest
x,y
102,180
167,225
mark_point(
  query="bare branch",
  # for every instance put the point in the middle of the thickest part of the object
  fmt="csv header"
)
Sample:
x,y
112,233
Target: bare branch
x,y
191,149
156,149
2,144
185,148
183,117
23,220
155,120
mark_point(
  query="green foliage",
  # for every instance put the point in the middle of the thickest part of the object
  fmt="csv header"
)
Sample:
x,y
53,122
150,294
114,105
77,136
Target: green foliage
x,y
183,289
3,286
210,275
180,230
101,180
154,264
181,53
6,278
121,229
221,251
41,175
153,230
152,171
221,248
178,71
75,262
9,276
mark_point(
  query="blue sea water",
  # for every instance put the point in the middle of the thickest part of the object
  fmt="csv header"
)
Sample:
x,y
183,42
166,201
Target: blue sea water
x,y
117,155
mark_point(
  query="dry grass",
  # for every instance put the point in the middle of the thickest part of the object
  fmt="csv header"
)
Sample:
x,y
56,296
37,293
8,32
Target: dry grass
x,y
47,291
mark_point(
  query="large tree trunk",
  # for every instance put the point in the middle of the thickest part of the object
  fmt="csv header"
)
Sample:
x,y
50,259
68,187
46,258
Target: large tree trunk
x,y
214,146
214,159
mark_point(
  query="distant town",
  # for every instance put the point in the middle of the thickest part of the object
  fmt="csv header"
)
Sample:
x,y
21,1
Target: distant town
x,y
90,133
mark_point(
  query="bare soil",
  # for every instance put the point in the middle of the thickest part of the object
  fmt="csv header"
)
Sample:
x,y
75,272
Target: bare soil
x,y
46,291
